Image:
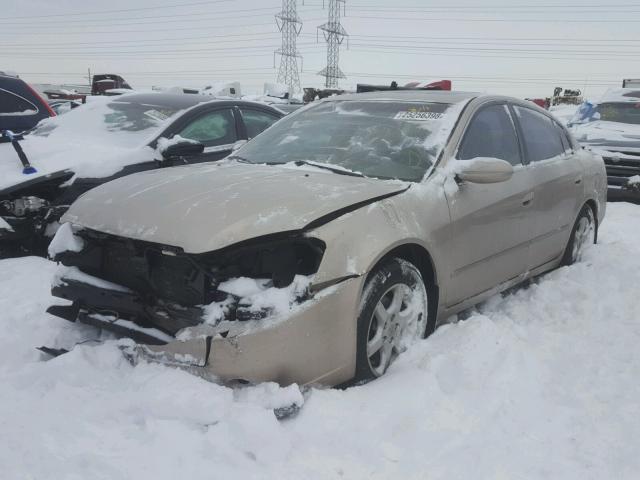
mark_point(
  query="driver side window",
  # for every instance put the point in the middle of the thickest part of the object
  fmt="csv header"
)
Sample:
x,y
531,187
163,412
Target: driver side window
x,y
491,133
212,129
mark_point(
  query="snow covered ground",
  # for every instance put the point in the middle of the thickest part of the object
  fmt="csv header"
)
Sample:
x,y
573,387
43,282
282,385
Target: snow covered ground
x,y
541,383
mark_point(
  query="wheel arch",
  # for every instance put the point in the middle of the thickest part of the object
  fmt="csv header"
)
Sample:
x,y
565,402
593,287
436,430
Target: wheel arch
x,y
419,256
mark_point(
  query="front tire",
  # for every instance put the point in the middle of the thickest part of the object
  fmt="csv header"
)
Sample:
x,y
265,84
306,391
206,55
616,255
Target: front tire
x,y
393,315
582,235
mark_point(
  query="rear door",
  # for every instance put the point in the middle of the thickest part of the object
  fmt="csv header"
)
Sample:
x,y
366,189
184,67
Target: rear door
x,y
557,175
491,223
216,129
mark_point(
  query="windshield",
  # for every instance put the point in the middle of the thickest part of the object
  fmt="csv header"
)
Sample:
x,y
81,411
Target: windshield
x,y
116,121
382,139
620,112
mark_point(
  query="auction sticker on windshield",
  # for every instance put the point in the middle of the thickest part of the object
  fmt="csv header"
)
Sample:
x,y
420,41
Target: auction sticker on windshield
x,y
415,115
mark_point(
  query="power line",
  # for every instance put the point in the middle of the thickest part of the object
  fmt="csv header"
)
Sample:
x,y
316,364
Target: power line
x,y
120,22
549,19
140,31
117,20
100,12
404,47
88,47
111,32
387,38
486,6
481,55
137,42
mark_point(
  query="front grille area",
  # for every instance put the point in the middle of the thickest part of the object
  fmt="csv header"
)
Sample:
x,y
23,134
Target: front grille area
x,y
147,269
621,168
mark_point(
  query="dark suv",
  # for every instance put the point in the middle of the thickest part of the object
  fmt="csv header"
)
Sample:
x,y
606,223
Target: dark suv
x,y
21,107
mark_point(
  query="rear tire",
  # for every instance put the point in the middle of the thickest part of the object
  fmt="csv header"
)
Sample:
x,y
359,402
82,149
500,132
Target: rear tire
x,y
394,313
583,234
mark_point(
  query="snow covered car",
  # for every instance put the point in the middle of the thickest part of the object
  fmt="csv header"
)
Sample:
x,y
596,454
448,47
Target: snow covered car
x,y
109,138
324,247
21,107
611,128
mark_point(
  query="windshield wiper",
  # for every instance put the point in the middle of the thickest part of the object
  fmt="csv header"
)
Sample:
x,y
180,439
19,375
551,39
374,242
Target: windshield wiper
x,y
324,166
238,158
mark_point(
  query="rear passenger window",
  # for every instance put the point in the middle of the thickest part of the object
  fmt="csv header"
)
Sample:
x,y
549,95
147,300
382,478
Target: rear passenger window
x,y
11,103
540,135
257,121
491,133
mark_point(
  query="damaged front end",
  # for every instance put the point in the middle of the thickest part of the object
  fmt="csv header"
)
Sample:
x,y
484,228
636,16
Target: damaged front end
x,y
29,213
189,310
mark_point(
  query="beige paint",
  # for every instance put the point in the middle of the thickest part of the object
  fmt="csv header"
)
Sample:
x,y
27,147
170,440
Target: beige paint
x,y
482,238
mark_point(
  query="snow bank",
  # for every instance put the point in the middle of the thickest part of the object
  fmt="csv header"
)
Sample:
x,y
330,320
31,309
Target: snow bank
x,y
540,383
65,241
258,295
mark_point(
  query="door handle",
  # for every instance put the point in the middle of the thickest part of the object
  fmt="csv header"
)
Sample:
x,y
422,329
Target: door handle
x,y
527,199
578,181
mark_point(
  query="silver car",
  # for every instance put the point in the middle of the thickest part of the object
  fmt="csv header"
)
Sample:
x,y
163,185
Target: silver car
x,y
323,248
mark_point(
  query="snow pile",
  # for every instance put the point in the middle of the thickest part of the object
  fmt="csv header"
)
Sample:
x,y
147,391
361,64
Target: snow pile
x,y
635,180
65,241
258,295
564,113
164,143
537,384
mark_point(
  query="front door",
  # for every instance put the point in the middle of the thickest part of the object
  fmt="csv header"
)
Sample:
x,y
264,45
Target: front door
x,y
491,223
216,130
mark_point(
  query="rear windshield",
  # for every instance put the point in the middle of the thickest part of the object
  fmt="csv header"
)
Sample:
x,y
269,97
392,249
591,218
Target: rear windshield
x,y
620,112
382,139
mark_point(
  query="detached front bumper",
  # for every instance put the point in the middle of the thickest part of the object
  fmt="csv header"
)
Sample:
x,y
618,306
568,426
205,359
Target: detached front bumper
x,y
314,344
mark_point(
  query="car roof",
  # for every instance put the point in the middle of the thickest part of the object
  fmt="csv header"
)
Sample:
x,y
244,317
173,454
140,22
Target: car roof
x,y
438,96
178,100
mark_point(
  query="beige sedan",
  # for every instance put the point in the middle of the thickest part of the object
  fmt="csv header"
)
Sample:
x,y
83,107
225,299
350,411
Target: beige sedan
x,y
327,245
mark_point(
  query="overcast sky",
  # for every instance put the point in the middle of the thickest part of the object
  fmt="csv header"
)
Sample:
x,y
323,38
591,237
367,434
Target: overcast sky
x,y
516,47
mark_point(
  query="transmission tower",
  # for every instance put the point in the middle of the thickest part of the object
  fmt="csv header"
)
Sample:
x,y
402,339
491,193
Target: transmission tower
x,y
334,35
289,24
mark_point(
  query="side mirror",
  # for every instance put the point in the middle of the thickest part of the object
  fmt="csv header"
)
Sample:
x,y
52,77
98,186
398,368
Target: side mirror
x,y
181,147
237,145
483,170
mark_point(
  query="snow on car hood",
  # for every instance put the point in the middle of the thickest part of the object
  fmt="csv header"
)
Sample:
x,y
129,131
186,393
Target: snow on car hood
x,y
602,132
79,141
206,207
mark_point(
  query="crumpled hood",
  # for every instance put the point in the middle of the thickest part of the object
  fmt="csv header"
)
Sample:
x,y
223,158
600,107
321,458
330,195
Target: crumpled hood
x,y
206,207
